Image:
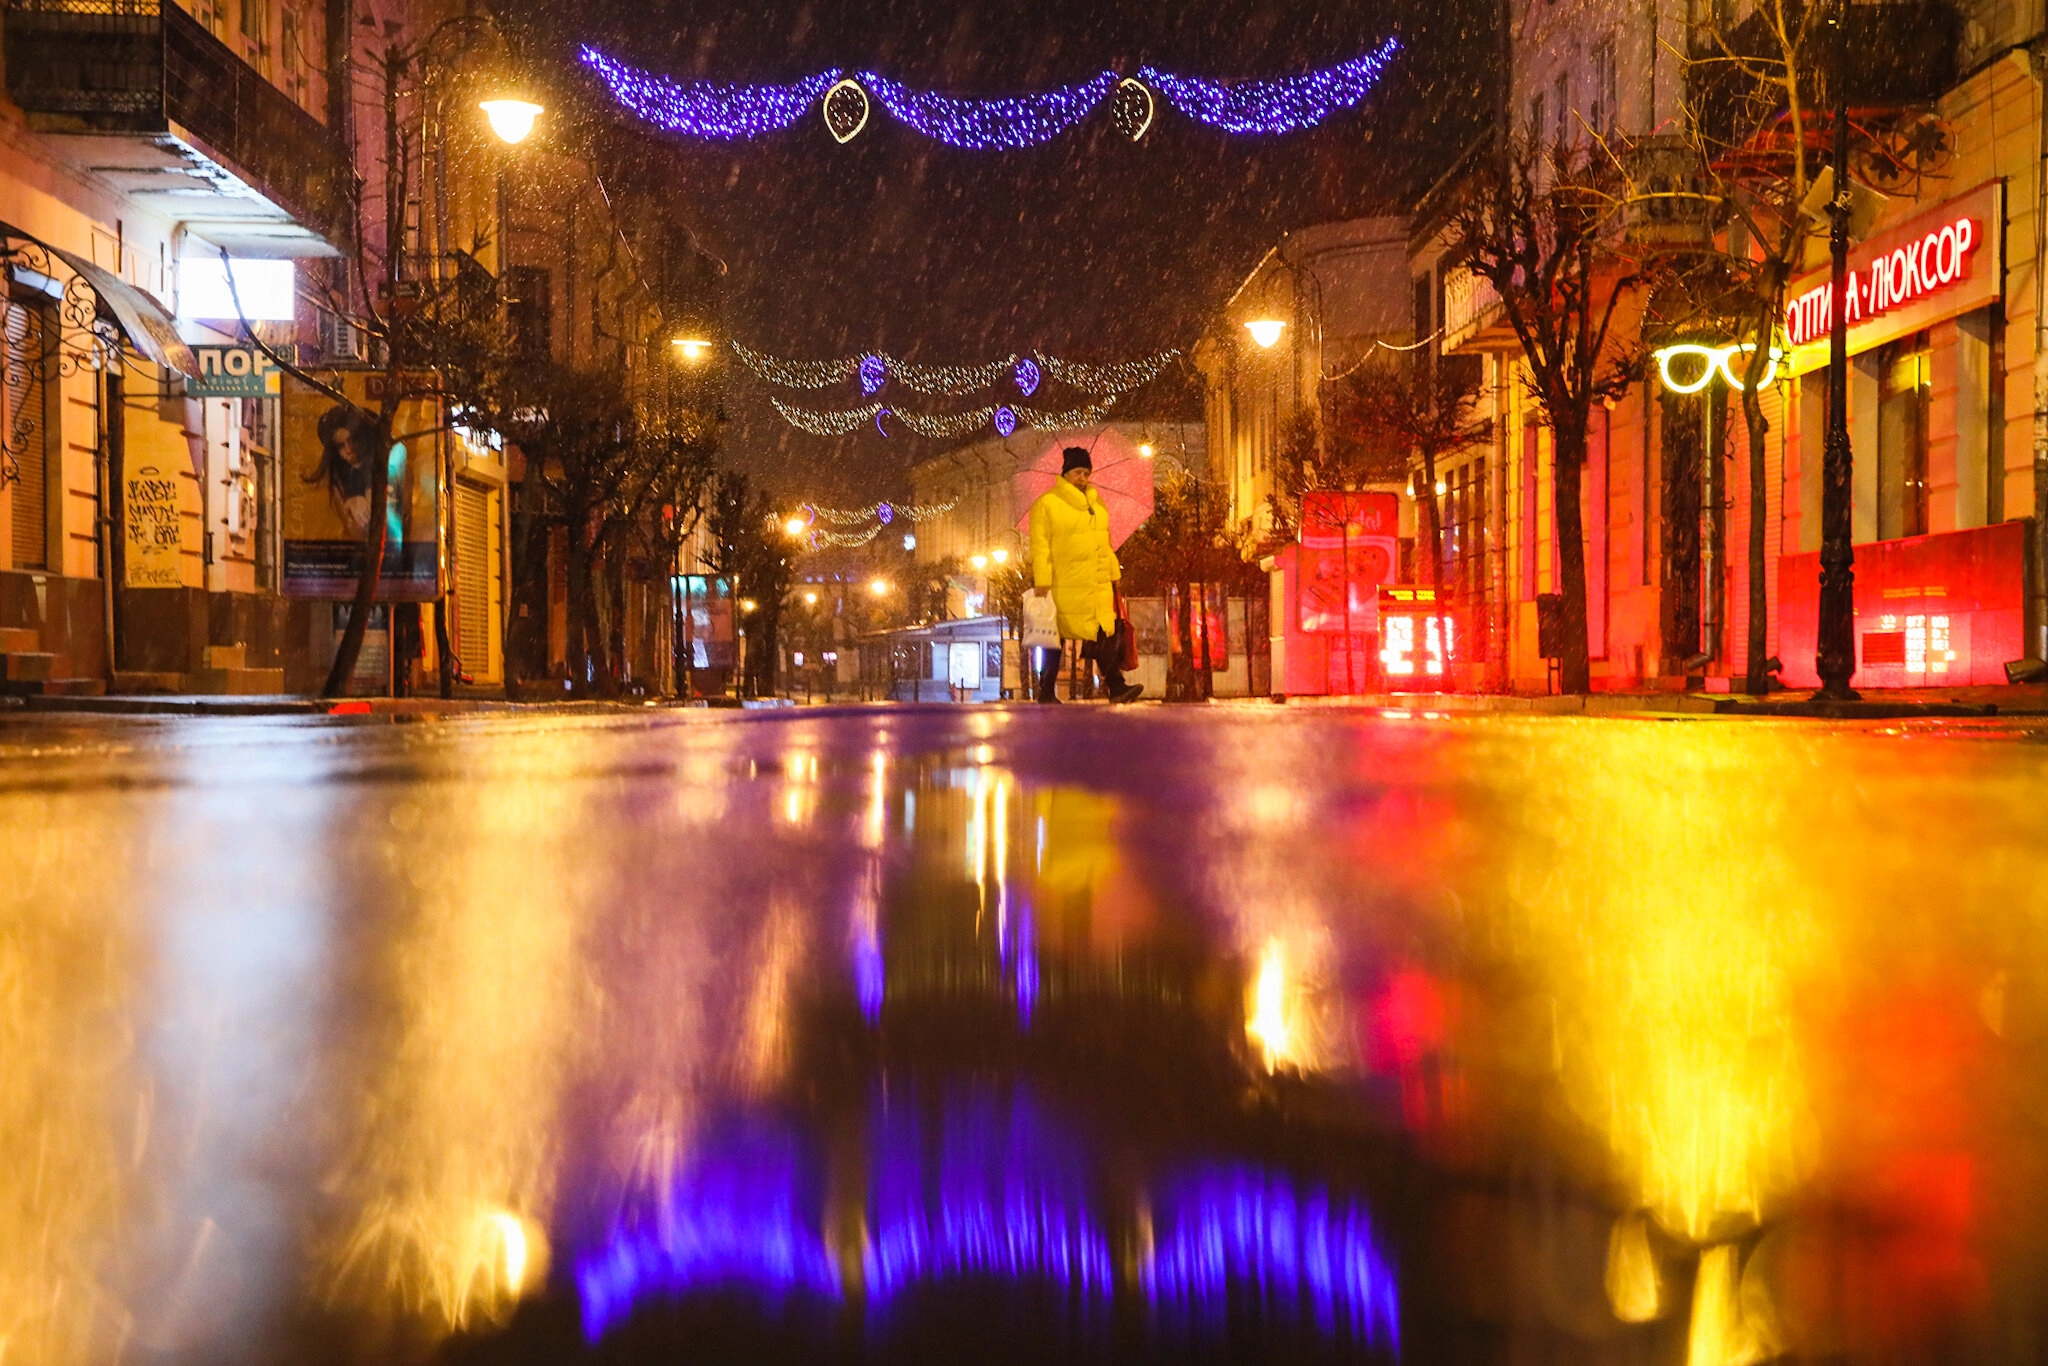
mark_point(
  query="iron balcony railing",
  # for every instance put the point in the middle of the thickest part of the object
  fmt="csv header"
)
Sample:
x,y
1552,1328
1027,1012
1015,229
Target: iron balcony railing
x,y
141,67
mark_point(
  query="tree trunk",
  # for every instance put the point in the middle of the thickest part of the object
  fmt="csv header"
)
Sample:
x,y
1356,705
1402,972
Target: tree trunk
x,y
1180,681
615,632
1568,456
582,601
351,646
1436,560
1757,680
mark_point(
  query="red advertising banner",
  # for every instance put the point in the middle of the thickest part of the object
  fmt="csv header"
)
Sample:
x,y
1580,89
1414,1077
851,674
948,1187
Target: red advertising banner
x,y
1931,611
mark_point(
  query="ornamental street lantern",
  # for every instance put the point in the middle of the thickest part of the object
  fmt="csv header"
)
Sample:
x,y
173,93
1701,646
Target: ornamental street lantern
x,y
511,118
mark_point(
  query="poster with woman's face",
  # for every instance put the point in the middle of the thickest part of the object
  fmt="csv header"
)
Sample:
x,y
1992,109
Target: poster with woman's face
x,y
330,453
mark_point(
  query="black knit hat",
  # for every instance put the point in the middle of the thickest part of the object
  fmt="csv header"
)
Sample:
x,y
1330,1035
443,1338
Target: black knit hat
x,y
1075,458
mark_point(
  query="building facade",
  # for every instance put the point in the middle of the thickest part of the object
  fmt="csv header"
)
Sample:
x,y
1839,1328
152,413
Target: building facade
x,y
1314,307
1942,412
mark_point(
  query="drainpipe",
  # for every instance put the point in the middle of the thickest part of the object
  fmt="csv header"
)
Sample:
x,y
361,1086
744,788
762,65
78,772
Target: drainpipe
x,y
2037,579
1712,451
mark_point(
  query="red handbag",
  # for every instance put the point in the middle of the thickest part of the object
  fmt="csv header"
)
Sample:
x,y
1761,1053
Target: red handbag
x,y
1127,639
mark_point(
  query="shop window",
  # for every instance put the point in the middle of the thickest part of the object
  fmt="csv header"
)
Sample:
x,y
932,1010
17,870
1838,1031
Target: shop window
x,y
1905,383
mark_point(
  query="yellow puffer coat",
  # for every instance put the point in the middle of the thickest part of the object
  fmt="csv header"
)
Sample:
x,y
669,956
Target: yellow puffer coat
x,y
1071,555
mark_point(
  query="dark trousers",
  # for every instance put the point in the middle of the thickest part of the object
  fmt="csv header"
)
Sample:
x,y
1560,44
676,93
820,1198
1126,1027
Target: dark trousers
x,y
1104,650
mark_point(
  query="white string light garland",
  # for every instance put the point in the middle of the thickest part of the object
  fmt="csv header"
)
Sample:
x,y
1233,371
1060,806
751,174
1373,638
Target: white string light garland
x,y
942,426
825,422
876,368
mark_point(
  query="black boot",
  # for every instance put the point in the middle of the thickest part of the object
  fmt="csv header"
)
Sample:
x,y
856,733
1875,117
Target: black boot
x,y
1049,676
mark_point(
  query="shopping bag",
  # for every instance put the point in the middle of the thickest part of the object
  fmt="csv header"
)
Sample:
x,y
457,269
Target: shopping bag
x,y
1041,621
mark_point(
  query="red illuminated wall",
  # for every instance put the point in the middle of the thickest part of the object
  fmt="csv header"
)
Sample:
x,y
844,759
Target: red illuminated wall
x,y
1970,585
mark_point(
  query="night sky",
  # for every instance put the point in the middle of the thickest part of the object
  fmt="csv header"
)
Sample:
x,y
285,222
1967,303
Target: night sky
x,y
1088,247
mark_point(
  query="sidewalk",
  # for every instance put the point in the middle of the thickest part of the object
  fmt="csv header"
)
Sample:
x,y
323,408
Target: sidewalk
x,y
383,707
1876,704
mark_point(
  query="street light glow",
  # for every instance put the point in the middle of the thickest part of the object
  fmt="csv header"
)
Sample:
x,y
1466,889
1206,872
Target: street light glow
x,y
511,120
978,561
794,526
693,348
1265,331
810,599
1145,449
999,555
878,586
747,604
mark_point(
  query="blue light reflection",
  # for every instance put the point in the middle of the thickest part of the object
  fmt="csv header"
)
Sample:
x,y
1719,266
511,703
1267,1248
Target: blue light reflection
x,y
1235,1232
743,1217
1005,1194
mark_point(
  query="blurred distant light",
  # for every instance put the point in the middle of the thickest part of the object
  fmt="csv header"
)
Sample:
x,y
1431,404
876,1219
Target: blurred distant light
x,y
909,540
999,555
978,561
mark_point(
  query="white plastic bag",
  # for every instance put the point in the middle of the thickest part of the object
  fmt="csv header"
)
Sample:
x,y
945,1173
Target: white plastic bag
x,y
1041,622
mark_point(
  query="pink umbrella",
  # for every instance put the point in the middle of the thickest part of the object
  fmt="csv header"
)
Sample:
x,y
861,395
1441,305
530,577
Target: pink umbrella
x,y
1122,477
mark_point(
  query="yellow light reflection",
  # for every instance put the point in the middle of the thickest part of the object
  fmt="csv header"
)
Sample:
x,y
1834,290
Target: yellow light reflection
x,y
1266,1024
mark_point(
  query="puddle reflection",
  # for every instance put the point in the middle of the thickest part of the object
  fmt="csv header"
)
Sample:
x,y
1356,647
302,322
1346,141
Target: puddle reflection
x,y
1255,1036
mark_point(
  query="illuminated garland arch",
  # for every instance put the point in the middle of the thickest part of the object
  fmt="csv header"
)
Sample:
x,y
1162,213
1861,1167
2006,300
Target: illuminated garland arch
x,y
728,112
875,369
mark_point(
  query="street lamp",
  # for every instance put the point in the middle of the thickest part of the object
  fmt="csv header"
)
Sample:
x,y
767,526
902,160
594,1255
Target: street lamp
x,y
511,118
1265,331
795,526
978,561
999,555
748,604
878,586
693,349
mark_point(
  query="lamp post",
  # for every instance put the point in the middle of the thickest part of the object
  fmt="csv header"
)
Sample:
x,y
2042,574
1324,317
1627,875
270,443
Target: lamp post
x,y
1835,655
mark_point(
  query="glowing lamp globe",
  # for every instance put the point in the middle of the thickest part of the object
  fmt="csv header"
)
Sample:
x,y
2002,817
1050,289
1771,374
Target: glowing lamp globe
x,y
978,561
1265,331
794,526
692,348
511,120
878,587
1145,450
999,555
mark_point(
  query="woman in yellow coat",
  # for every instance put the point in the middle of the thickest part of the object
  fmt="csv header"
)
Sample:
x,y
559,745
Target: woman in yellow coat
x,y
1071,558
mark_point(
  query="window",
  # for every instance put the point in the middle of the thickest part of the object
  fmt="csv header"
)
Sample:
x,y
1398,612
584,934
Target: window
x,y
1536,118
1905,383
1464,516
1606,89
530,311
24,428
1561,98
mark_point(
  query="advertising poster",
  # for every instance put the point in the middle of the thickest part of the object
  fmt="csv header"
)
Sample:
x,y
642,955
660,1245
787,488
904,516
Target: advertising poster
x,y
1349,546
327,452
155,527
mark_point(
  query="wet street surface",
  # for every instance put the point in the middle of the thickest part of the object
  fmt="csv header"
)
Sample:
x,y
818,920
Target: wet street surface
x,y
950,1034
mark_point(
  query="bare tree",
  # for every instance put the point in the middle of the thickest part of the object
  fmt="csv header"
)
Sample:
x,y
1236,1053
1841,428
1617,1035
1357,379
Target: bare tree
x,y
1185,547
1752,92
1540,226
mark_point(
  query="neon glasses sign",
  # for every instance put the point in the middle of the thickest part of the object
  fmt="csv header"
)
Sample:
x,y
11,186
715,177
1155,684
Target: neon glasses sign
x,y
1689,367
1907,273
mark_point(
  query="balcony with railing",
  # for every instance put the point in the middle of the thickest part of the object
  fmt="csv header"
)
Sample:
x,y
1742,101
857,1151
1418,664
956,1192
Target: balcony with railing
x,y
152,101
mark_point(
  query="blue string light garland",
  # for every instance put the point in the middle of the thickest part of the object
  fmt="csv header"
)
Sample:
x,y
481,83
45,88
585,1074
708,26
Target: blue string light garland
x,y
1256,108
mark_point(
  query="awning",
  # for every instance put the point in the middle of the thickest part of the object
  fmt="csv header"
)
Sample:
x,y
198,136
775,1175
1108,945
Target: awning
x,y
148,327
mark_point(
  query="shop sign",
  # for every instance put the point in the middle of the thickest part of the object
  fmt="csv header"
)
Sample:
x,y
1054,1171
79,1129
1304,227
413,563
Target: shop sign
x,y
233,372
1947,261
